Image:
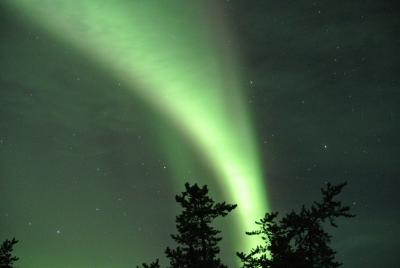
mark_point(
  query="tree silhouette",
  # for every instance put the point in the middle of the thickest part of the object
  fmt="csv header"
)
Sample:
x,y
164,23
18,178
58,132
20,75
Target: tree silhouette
x,y
153,264
197,240
298,240
6,257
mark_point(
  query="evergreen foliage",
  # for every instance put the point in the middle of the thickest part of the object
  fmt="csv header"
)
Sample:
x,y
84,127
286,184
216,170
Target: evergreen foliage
x,y
6,257
153,264
298,240
197,239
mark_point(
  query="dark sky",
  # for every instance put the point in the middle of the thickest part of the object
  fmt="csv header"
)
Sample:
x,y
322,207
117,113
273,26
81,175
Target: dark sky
x,y
81,160
325,98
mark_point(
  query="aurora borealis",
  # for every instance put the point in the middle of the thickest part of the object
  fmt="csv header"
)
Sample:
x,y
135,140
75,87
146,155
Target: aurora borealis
x,y
187,79
108,107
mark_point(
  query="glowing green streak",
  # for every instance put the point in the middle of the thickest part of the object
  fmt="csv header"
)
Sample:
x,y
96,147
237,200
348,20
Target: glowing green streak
x,y
161,50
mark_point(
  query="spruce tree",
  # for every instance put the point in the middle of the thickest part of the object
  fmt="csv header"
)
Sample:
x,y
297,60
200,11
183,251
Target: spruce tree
x,y
197,240
298,240
6,257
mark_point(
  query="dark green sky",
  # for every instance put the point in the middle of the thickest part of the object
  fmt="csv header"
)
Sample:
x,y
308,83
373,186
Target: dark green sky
x,y
85,180
327,73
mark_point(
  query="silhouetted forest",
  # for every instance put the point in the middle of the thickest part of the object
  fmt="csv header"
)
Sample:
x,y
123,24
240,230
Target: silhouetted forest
x,y
295,240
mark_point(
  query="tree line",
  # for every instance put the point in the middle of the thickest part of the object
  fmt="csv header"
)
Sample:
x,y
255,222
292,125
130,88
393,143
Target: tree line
x,y
295,240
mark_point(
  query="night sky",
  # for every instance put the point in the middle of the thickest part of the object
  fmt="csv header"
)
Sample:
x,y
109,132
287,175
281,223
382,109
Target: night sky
x,y
105,112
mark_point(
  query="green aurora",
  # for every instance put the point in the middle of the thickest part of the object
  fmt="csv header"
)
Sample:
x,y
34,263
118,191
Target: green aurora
x,y
166,53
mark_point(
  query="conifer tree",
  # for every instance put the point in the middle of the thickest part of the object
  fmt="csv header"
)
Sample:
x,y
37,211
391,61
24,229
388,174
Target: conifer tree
x,y
197,240
298,240
6,257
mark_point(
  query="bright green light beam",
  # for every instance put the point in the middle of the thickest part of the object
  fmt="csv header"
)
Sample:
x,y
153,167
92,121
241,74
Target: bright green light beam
x,y
164,51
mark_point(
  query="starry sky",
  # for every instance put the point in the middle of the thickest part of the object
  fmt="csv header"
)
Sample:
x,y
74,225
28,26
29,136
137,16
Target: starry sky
x,y
92,153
